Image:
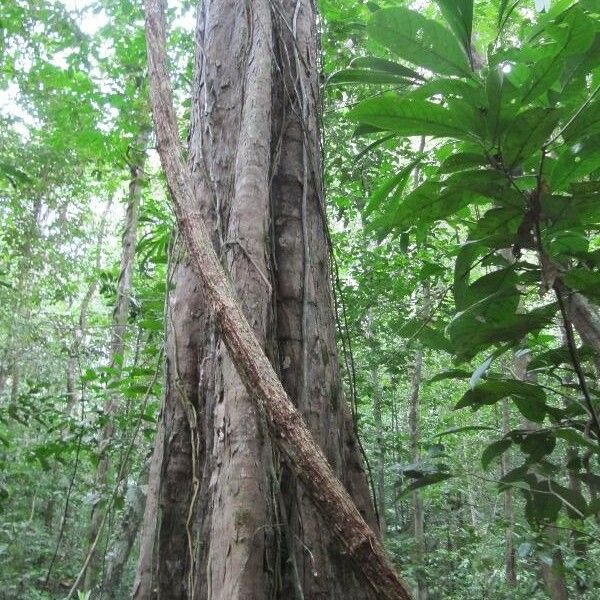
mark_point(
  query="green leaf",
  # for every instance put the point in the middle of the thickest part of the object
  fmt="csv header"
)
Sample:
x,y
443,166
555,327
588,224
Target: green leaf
x,y
503,14
424,481
13,174
573,34
464,429
558,357
517,474
574,437
461,161
459,15
394,184
538,444
574,502
470,333
452,374
420,41
405,116
480,371
575,162
541,505
585,281
529,398
385,66
462,272
493,450
364,76
565,242
527,134
428,336
593,508
586,124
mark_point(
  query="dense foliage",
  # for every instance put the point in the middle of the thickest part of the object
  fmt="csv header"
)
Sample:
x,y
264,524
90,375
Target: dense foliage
x,y
462,154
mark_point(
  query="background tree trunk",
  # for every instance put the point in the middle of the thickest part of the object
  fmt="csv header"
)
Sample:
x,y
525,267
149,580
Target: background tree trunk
x,y
380,441
417,500
117,344
510,562
122,543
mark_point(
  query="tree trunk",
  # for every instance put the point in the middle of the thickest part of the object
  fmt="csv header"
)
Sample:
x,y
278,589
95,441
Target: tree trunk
x,y
380,443
144,583
586,320
117,345
414,439
510,561
553,572
120,547
234,523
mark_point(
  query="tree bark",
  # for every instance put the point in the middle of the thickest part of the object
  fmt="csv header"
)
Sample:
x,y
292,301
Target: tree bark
x,y
510,562
586,320
120,546
144,583
553,573
417,500
380,443
254,177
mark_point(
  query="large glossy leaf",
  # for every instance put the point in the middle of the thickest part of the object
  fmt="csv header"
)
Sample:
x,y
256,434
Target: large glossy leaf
x,y
573,33
426,205
420,41
501,109
433,201
469,335
459,14
585,281
494,450
538,444
558,357
527,134
383,65
541,504
424,481
575,162
465,429
584,124
573,501
409,117
528,395
427,335
462,161
392,184
574,437
354,75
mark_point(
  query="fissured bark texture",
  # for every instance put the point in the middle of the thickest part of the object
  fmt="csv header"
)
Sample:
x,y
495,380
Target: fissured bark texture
x,y
233,521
